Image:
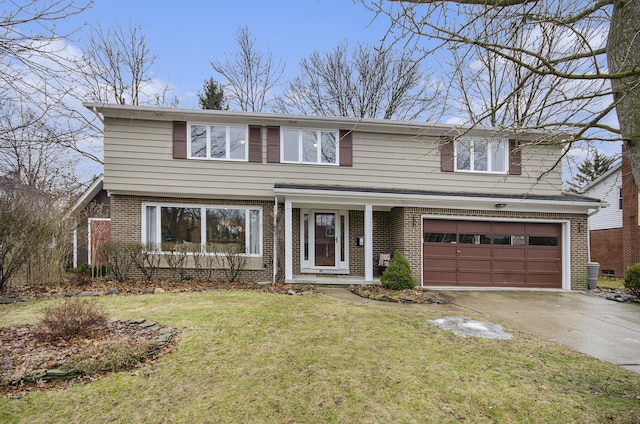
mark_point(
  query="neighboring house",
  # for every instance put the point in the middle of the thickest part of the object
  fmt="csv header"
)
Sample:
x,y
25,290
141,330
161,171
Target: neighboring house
x,y
92,210
613,230
307,197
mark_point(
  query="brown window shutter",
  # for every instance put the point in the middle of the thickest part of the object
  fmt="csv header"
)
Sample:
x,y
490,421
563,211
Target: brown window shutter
x,y
179,140
446,154
346,148
515,158
255,144
273,144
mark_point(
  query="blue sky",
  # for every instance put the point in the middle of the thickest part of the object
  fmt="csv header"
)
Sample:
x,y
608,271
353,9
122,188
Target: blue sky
x,y
188,37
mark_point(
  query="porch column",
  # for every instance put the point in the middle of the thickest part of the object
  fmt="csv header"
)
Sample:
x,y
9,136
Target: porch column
x,y
288,242
368,243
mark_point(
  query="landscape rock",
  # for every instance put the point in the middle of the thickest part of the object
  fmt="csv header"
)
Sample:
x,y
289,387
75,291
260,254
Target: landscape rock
x,y
7,300
158,290
113,291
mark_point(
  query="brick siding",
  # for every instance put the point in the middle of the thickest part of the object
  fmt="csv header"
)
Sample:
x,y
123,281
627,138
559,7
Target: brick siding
x,y
630,228
606,249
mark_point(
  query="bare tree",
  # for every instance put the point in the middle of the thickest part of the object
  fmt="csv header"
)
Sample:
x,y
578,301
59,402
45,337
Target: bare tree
x,y
369,83
611,67
32,153
37,69
118,67
250,74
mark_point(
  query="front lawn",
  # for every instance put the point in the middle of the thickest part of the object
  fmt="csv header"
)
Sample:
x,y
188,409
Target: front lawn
x,y
265,358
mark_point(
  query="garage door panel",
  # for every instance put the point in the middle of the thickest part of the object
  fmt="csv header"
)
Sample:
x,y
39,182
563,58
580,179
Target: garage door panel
x,y
474,227
511,266
443,278
474,279
539,229
508,227
474,265
509,278
499,254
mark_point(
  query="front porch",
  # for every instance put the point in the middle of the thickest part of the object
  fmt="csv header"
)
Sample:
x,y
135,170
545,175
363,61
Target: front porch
x,y
332,280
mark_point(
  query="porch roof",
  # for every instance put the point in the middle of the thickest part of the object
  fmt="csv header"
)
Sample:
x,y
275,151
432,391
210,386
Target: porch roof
x,y
385,197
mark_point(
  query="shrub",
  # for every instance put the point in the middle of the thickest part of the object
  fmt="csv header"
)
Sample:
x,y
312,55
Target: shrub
x,y
146,257
72,318
397,276
119,256
83,269
632,279
176,257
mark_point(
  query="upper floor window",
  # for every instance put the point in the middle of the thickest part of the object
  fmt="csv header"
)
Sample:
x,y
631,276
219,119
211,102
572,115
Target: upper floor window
x,y
225,142
309,146
481,155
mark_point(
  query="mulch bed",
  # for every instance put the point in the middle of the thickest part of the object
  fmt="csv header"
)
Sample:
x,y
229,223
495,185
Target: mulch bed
x,y
76,285
379,293
24,355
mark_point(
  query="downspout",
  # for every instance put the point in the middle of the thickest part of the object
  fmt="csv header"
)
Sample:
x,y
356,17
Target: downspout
x,y
275,239
589,215
98,114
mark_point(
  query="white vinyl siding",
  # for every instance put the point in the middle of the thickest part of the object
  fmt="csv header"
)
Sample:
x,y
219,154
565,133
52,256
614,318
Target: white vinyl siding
x,y
610,214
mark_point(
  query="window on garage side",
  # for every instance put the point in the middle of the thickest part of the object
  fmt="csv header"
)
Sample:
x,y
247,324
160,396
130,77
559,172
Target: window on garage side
x,y
432,237
476,155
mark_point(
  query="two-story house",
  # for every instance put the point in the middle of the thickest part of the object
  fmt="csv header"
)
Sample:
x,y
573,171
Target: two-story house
x,y
309,196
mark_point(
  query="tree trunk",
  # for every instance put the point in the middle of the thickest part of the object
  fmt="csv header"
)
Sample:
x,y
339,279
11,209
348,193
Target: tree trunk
x,y
623,54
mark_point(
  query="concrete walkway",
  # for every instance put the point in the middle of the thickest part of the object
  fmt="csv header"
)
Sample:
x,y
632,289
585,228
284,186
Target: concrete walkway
x,y
601,328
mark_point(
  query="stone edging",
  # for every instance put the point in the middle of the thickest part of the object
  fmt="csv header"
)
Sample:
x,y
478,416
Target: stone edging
x,y
163,338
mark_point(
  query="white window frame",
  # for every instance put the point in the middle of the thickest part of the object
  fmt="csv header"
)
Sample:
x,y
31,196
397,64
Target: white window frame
x,y
203,225
488,142
318,132
227,141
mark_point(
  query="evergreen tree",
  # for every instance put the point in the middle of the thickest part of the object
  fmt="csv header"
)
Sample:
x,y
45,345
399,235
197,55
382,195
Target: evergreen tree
x,y
590,169
213,96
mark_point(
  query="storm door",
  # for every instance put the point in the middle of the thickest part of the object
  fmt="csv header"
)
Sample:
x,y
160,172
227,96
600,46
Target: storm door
x,y
325,239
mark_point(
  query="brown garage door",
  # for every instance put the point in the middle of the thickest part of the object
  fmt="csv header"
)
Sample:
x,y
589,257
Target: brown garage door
x,y
491,254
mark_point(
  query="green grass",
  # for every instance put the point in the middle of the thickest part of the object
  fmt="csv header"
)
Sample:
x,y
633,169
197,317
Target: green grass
x,y
611,283
262,358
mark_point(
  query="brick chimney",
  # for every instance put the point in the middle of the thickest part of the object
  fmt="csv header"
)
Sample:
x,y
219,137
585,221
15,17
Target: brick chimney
x,y
630,228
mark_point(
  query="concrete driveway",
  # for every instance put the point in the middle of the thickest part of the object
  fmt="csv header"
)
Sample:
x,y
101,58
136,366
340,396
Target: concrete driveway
x,y
598,327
